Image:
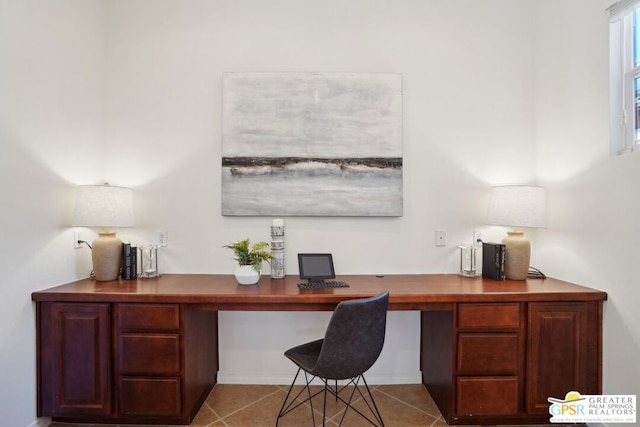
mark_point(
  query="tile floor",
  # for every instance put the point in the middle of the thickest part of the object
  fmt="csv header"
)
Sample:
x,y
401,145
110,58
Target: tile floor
x,y
258,405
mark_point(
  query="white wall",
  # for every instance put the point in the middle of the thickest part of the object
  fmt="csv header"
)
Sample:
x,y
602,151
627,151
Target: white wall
x,y
51,81
468,123
593,235
129,92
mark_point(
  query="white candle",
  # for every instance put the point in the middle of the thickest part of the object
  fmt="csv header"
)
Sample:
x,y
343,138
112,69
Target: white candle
x,y
278,222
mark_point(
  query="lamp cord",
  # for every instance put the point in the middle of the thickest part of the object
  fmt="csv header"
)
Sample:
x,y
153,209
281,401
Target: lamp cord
x,y
534,273
86,243
92,274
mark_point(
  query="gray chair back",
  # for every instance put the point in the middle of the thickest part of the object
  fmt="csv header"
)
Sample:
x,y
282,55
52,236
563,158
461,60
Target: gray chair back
x,y
354,338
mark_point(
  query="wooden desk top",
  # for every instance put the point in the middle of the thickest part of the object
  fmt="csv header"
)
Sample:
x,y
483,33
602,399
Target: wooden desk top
x,y
407,291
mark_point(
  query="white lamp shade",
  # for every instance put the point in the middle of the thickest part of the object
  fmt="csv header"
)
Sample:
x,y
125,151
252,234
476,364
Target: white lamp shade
x,y
518,206
104,206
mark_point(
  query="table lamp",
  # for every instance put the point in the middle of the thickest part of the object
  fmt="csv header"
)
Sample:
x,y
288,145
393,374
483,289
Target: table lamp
x,y
105,206
517,206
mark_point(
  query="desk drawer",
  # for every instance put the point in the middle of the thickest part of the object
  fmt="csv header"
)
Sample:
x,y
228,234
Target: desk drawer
x,y
149,354
489,316
149,317
487,354
150,397
487,396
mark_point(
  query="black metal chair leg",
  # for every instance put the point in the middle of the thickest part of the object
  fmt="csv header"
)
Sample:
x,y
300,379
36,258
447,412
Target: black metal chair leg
x,y
373,410
324,407
282,409
377,412
308,382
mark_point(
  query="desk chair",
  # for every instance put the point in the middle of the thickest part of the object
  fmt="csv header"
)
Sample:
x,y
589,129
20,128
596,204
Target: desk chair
x,y
351,345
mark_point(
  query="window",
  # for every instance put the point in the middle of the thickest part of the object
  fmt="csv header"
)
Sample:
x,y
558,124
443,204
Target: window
x,y
625,76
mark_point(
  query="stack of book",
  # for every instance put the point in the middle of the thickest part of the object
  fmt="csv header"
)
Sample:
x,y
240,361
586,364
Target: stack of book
x,y
129,262
493,260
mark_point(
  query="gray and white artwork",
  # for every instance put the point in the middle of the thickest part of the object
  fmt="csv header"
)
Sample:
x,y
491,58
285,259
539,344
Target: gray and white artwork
x,y
312,144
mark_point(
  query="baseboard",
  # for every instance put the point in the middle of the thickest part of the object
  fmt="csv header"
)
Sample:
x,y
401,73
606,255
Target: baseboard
x,y
285,379
41,422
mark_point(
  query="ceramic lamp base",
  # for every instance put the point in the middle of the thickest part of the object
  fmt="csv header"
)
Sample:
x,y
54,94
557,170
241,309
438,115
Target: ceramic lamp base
x,y
106,256
517,255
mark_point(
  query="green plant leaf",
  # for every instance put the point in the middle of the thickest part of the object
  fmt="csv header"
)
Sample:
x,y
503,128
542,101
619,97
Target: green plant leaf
x,y
246,254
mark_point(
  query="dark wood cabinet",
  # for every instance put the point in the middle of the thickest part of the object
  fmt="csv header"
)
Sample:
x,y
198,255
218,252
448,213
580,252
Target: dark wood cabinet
x,y
472,362
146,351
489,372
124,362
74,346
149,360
564,342
506,359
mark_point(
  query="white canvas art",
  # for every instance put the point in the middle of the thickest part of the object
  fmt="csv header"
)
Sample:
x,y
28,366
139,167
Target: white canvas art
x,y
312,144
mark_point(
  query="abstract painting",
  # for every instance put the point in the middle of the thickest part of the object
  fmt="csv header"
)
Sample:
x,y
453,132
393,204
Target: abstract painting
x,y
312,144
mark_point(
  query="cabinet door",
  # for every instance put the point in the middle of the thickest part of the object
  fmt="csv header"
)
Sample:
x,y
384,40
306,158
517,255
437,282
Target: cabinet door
x,y
75,359
563,351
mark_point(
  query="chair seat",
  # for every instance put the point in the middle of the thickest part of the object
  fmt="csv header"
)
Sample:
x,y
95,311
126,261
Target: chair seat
x,y
305,355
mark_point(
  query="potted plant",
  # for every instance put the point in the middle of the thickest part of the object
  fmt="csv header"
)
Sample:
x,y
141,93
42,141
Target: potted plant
x,y
250,259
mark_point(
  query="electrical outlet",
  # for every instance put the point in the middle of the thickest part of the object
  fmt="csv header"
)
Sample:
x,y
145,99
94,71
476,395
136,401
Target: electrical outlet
x,y
441,238
163,238
477,236
76,238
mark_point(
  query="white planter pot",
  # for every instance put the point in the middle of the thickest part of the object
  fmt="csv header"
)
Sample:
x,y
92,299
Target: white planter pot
x,y
247,275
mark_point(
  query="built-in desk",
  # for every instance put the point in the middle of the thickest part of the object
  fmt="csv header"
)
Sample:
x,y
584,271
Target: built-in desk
x,y
146,351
